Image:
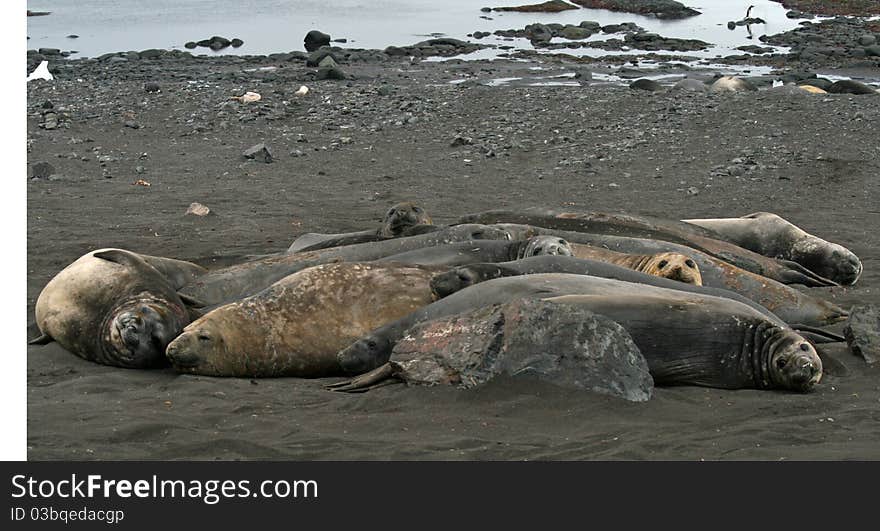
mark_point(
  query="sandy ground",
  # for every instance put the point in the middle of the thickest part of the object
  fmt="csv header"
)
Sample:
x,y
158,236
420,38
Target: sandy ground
x,y
387,136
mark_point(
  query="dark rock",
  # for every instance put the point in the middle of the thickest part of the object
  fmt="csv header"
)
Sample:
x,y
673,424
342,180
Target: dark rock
x,y
867,40
538,32
330,71
662,9
259,153
77,37
558,343
42,170
190,45
315,58
152,53
236,43
49,51
315,39
862,332
575,33
849,86
646,84
872,51
551,6
132,124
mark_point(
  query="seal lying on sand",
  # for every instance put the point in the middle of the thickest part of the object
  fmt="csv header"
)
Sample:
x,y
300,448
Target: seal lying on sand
x,y
672,231
771,235
687,338
112,307
241,280
402,219
449,282
462,253
297,325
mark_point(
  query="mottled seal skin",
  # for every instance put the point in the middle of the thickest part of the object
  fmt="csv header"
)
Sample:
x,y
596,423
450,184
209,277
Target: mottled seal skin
x,y
455,254
771,235
402,219
687,338
297,325
238,281
111,306
674,266
732,84
792,305
672,231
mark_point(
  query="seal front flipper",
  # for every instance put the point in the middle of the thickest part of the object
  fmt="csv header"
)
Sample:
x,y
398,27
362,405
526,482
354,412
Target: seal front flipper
x,y
44,339
380,377
799,274
817,335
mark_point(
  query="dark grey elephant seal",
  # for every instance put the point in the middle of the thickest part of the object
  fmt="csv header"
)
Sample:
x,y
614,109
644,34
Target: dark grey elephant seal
x,y
112,307
462,253
296,326
687,338
770,235
849,86
792,305
402,219
238,281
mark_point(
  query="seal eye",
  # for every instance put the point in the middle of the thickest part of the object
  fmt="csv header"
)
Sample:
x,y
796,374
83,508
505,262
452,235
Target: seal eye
x,y
204,337
539,250
662,264
690,263
805,347
780,363
416,209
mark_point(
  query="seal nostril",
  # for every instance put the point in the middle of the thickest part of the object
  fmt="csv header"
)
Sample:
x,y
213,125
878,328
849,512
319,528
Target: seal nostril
x,y
805,347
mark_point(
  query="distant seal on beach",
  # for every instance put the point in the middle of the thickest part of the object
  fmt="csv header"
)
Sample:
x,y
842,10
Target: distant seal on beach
x,y
849,86
689,84
296,326
402,219
111,306
462,253
732,84
687,338
771,235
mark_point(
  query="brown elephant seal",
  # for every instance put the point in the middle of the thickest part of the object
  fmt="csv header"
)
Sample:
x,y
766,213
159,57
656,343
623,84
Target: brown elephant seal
x,y
463,253
686,338
674,266
296,326
112,307
402,219
732,84
771,235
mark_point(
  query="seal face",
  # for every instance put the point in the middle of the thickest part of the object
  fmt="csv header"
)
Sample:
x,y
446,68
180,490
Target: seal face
x,y
546,245
674,266
793,362
401,217
112,307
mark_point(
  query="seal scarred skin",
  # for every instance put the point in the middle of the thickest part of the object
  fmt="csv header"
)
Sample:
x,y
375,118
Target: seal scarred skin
x,y
111,306
771,235
296,326
687,338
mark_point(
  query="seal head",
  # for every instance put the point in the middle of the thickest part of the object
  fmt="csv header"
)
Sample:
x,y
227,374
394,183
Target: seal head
x,y
545,245
401,217
792,362
138,331
674,266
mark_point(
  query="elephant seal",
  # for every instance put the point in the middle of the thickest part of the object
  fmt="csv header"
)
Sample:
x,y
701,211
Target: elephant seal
x,y
690,85
462,253
687,338
238,281
674,266
296,326
627,225
732,84
794,306
770,235
402,219
111,306
849,86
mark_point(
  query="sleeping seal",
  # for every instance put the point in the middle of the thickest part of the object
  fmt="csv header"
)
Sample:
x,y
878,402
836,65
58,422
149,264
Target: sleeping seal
x,y
687,338
112,307
402,219
296,326
770,235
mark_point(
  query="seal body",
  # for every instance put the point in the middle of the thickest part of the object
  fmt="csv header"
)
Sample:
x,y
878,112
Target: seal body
x,y
297,325
687,338
462,253
732,84
771,235
112,307
402,219
238,281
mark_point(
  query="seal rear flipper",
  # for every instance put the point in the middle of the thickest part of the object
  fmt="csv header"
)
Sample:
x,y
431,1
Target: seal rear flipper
x,y
799,274
44,339
120,257
379,377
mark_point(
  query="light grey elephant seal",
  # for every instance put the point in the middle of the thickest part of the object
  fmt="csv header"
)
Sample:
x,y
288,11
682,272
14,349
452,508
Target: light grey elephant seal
x,y
731,84
112,307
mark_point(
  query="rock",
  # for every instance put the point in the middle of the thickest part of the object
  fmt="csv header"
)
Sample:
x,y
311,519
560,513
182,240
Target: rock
x,y
190,45
538,33
197,209
315,39
867,40
662,9
236,43
131,124
692,85
77,37
49,51
42,170
152,53
314,58
575,33
646,84
872,51
551,6
259,153
692,191
328,69
151,86
559,343
731,25
862,332
385,90
461,140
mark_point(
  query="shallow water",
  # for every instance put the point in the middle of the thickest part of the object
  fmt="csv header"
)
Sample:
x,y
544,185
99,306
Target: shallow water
x,y
268,26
